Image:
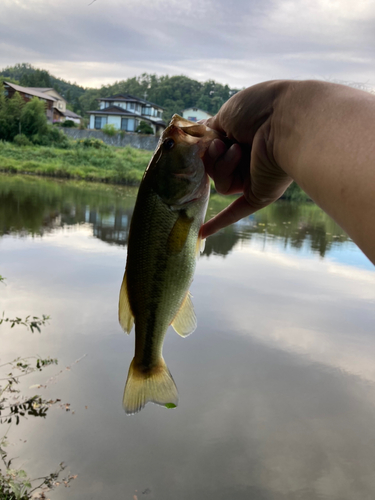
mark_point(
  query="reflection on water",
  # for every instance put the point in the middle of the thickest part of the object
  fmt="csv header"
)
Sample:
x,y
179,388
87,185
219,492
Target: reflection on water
x,y
39,206
277,384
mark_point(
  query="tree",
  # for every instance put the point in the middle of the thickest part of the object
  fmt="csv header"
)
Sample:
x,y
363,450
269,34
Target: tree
x,y
144,128
33,118
10,115
14,111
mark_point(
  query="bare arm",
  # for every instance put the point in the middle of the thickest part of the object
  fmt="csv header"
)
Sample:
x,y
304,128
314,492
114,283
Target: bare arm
x,y
319,134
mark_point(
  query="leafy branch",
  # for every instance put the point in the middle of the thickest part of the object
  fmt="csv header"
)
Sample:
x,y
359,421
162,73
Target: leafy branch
x,y
32,323
15,483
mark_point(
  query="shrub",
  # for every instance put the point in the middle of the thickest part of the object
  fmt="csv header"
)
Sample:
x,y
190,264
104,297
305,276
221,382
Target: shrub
x,y
144,128
33,118
109,129
68,123
91,142
52,137
21,140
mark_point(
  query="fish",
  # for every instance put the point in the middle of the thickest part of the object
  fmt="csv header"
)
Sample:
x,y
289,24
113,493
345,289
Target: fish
x,y
163,244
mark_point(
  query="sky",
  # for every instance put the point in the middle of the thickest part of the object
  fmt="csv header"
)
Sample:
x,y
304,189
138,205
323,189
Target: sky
x,y
235,42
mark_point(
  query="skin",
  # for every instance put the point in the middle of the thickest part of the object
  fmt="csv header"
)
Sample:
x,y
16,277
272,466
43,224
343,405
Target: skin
x,y
321,135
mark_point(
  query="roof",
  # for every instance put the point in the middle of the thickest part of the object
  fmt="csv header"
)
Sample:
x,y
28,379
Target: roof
x,y
113,110
116,110
71,114
43,89
128,98
31,91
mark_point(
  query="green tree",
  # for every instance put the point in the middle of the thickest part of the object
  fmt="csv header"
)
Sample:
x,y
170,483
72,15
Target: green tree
x,y
3,120
14,112
33,118
10,115
144,128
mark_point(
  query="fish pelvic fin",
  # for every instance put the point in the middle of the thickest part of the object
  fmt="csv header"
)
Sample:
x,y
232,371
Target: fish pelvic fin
x,y
125,314
155,385
185,321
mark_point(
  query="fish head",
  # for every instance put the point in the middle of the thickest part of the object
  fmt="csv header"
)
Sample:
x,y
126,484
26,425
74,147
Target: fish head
x,y
176,170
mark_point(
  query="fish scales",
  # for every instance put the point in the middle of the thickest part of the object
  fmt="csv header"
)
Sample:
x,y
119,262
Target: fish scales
x,y
162,248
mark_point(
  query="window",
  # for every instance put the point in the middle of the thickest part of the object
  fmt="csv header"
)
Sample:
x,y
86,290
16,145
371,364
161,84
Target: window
x,y
128,124
147,111
131,106
98,122
124,123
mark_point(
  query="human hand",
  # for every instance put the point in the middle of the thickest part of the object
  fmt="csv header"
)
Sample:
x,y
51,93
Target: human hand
x,y
248,166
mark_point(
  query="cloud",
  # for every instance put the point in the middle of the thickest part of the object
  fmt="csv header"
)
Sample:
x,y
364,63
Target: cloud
x,y
239,43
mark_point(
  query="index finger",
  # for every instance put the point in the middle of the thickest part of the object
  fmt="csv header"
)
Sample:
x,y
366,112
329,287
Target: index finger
x,y
237,210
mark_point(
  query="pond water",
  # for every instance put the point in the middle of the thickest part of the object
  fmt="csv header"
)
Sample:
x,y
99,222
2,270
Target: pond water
x,y
277,384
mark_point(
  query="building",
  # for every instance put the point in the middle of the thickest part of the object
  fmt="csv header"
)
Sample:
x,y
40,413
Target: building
x,y
195,114
59,103
70,115
125,112
27,93
56,110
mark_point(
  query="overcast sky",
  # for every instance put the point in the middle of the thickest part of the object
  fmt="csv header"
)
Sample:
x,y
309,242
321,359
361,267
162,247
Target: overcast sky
x,y
239,42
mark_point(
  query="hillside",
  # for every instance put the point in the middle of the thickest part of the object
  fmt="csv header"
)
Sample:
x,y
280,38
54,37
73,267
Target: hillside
x,y
174,93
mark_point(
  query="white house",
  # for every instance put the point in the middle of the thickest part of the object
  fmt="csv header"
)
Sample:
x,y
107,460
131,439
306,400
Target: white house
x,y
125,112
195,114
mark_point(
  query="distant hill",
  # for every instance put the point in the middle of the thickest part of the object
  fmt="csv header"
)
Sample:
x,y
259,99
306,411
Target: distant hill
x,y
174,93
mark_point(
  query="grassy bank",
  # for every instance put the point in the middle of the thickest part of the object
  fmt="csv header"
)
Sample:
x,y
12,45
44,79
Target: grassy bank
x,y
97,162
89,160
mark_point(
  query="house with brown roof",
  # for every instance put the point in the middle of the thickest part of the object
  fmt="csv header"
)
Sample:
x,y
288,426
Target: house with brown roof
x,y
27,93
125,112
60,103
56,110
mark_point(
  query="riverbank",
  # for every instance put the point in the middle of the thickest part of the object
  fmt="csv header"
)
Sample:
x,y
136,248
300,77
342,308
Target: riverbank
x,y
85,160
89,160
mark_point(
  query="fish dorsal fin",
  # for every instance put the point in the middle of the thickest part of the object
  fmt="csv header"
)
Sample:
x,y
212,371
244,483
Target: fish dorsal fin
x,y
125,314
179,233
185,321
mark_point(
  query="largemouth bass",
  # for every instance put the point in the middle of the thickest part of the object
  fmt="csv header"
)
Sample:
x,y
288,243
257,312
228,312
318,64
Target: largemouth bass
x,y
162,249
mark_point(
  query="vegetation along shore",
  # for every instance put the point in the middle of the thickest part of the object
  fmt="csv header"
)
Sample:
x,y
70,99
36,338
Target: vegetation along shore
x,y
31,145
89,160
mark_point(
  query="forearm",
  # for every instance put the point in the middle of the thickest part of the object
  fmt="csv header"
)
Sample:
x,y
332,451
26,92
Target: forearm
x,y
323,136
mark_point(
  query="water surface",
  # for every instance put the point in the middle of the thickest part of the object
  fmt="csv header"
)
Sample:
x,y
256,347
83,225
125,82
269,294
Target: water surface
x,y
277,384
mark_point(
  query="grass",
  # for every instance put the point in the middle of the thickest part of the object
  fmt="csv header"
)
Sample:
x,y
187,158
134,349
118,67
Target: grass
x,y
105,164
99,163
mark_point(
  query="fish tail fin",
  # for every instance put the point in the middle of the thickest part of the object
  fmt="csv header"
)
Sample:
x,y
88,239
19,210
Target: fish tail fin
x,y
155,385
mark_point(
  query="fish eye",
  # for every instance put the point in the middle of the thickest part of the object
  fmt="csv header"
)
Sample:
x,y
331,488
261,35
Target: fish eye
x,y
168,144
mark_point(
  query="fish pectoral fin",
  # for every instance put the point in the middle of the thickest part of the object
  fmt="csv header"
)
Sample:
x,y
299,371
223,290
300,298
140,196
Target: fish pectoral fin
x,y
200,246
125,314
185,321
179,233
156,386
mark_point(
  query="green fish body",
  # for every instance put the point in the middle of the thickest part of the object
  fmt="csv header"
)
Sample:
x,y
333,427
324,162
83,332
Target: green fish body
x,y
162,249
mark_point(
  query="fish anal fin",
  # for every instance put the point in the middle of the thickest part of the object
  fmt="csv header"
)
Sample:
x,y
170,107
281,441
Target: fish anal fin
x,y
155,385
179,233
185,321
125,314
